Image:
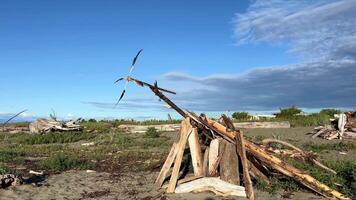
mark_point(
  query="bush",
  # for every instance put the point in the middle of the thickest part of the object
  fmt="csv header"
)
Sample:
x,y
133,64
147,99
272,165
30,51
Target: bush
x,y
61,162
241,116
288,112
329,112
152,133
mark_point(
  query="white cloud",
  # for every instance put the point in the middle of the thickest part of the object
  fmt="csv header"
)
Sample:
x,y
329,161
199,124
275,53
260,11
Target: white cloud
x,y
313,29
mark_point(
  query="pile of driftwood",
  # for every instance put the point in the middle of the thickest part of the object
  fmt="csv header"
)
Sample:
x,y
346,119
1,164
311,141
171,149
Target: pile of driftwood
x,y
224,161
52,125
344,126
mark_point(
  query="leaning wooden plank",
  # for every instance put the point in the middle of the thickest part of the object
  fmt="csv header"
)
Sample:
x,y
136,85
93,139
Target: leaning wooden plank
x,y
240,146
229,164
213,155
211,182
195,152
283,167
186,129
166,166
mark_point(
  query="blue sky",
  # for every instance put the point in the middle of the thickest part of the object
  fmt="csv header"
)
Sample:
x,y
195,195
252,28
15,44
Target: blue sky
x,y
230,55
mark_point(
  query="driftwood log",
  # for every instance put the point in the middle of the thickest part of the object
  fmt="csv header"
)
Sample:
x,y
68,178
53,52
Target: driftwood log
x,y
45,126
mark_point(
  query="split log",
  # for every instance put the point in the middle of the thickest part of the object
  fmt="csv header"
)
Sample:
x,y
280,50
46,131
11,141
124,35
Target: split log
x,y
281,166
213,155
240,146
195,152
186,129
167,165
211,184
229,164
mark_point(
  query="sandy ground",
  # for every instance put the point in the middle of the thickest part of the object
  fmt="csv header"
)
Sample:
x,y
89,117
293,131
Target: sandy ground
x,y
82,185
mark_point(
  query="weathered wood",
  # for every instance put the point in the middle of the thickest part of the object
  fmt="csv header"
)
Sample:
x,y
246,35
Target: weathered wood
x,y
304,155
195,152
262,125
213,155
229,164
167,165
206,162
341,124
256,173
214,183
240,146
186,129
283,167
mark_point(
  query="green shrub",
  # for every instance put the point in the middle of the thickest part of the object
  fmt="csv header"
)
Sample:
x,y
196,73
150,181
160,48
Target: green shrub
x,y
152,133
329,112
241,116
62,162
288,112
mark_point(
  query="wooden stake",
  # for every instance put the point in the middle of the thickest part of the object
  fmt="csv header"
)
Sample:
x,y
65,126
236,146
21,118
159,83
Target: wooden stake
x,y
186,129
195,152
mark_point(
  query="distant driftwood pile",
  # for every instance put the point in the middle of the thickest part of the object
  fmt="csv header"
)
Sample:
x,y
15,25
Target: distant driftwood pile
x,y
45,126
344,126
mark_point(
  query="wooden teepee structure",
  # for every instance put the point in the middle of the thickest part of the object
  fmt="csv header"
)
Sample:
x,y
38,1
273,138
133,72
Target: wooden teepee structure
x,y
223,159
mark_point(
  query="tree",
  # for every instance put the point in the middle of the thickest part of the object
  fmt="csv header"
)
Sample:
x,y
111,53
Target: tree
x,y
288,112
329,111
241,115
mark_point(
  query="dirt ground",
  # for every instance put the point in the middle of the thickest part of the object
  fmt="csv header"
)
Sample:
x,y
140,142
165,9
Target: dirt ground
x,y
78,185
126,184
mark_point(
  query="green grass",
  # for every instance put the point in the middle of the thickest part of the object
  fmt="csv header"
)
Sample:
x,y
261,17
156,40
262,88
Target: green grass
x,y
339,146
57,137
11,155
62,162
346,175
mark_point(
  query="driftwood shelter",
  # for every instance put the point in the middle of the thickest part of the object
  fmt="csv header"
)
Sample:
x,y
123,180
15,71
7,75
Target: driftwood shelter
x,y
224,161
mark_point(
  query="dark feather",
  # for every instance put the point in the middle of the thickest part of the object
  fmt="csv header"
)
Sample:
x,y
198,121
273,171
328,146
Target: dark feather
x,y
135,58
122,95
120,79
